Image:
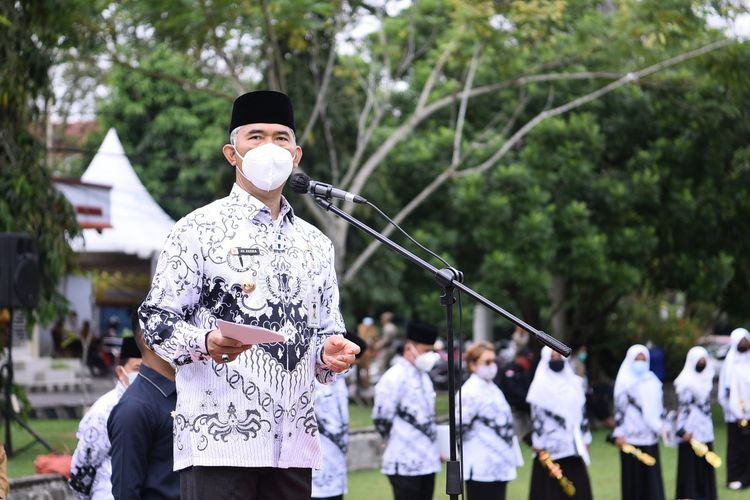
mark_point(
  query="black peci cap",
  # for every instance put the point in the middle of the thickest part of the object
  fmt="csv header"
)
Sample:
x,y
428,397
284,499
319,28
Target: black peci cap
x,y
262,106
129,349
421,333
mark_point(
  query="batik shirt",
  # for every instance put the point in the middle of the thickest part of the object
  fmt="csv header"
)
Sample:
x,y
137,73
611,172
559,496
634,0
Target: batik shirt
x,y
491,451
630,423
404,415
550,432
229,260
694,416
332,412
91,466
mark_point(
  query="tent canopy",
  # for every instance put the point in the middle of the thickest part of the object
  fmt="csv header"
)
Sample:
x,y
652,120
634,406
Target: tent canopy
x,y
139,225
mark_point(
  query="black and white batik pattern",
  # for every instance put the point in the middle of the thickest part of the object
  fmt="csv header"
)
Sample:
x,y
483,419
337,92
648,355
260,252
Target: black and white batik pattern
x,y
91,466
404,414
694,416
491,451
630,422
229,260
332,412
550,432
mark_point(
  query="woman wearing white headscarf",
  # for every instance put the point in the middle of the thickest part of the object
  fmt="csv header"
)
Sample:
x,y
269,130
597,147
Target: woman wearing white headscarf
x,y
734,397
559,426
695,477
491,451
638,421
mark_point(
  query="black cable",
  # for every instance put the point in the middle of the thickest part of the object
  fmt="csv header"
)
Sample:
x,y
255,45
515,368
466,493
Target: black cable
x,y
391,222
460,387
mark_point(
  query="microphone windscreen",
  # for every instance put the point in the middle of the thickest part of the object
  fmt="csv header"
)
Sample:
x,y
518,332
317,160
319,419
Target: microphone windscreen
x,y
300,182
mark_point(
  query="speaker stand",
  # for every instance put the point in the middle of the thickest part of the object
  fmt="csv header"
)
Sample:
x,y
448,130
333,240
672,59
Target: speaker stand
x,y
9,413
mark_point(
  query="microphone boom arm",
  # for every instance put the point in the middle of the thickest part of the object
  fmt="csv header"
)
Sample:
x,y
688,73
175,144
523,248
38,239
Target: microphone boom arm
x,y
447,277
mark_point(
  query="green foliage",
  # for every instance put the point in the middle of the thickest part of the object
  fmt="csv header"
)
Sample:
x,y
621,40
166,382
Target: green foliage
x,y
653,319
29,203
643,189
173,137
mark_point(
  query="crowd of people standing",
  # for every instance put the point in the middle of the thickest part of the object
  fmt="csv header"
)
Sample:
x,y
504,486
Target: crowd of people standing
x,y
559,433
110,458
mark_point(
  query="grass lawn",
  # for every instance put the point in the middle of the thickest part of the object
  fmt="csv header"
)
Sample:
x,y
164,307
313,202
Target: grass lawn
x,y
371,485
604,471
61,434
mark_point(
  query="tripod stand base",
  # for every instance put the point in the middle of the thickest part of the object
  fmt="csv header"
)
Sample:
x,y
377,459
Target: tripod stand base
x,y
8,411
37,438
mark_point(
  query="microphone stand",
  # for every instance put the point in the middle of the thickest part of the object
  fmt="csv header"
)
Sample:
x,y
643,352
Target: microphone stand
x,y
448,278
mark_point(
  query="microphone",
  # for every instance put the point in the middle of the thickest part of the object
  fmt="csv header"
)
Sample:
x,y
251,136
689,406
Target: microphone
x,y
301,183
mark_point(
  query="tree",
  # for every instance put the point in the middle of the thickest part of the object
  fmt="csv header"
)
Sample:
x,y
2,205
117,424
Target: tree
x,y
29,46
443,99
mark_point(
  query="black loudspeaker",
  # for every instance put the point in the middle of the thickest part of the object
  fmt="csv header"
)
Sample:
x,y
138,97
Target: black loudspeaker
x,y
19,271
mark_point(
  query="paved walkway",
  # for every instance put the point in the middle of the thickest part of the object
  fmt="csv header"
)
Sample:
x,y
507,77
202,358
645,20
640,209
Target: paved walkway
x,y
57,387
69,401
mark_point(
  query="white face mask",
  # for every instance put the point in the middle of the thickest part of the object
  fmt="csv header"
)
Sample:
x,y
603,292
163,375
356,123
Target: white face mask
x,y
640,367
131,377
267,166
425,361
123,374
486,372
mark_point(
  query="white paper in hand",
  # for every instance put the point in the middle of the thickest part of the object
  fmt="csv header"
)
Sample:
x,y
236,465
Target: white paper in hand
x,y
248,334
443,439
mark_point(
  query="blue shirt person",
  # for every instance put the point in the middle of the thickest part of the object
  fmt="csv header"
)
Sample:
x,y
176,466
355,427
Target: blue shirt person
x,y
140,430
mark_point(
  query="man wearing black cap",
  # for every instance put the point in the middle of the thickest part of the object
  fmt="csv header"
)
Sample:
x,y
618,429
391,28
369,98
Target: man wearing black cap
x,y
404,415
244,424
91,466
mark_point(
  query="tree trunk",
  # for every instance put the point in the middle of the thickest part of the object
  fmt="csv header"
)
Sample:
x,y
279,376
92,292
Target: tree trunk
x,y
337,231
482,328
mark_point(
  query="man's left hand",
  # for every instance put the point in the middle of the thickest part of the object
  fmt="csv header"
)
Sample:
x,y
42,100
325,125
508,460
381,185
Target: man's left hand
x,y
338,353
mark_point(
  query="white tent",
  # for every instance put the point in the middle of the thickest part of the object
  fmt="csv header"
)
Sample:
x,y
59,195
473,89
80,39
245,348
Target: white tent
x,y
139,225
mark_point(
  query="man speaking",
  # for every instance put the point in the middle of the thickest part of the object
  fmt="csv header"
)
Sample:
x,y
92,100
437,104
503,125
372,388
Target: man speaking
x,y
244,425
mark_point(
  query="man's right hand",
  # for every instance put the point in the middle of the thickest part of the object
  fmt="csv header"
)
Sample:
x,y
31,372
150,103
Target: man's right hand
x,y
217,345
619,442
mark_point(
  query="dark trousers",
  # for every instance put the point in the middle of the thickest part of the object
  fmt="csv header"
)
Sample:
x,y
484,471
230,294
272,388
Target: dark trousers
x,y
480,490
738,451
245,483
696,479
413,487
639,481
338,497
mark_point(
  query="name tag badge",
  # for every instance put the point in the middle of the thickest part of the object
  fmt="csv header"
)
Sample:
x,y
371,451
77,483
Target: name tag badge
x,y
313,310
245,251
240,252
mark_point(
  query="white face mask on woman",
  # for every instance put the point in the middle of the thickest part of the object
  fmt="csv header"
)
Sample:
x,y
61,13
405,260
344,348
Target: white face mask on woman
x,y
640,367
267,166
486,372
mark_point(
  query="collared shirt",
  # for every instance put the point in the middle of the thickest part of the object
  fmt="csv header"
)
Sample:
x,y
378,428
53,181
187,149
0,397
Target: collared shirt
x,y
404,414
551,432
140,430
332,412
229,260
91,468
694,416
491,450
630,422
